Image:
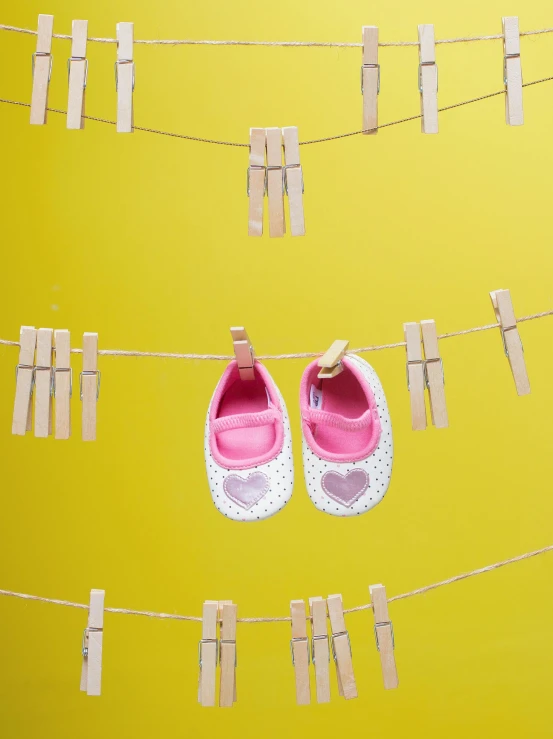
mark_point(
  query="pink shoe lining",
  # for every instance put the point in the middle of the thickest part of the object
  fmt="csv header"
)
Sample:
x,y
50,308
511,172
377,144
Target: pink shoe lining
x,y
245,421
347,428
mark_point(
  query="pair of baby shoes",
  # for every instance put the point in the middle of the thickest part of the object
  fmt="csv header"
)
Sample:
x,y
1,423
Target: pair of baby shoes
x,y
347,442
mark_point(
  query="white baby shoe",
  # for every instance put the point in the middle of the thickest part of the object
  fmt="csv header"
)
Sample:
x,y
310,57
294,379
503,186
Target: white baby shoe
x,y
347,438
248,446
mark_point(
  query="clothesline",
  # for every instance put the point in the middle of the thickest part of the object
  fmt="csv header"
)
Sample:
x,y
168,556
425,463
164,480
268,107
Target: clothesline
x,y
364,607
338,44
299,355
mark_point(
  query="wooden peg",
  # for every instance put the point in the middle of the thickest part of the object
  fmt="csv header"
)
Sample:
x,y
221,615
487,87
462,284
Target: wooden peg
x,y
63,384
384,635
124,77
512,344
227,653
91,673
434,371
275,182
341,648
42,69
78,72
293,180
331,361
319,648
208,653
43,383
256,181
90,386
299,646
370,79
428,79
25,374
243,351
415,375
512,72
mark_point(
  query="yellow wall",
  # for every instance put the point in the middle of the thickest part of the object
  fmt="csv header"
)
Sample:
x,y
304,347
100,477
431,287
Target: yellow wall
x,y
143,239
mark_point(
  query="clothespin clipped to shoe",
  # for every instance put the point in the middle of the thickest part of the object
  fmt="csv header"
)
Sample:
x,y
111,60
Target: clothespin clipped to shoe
x,y
320,652
257,181
299,648
331,361
243,351
384,636
512,72
77,68
24,381
90,386
62,384
91,673
370,79
275,182
227,654
293,180
434,374
125,77
208,649
428,79
341,648
42,69
43,383
415,375
512,344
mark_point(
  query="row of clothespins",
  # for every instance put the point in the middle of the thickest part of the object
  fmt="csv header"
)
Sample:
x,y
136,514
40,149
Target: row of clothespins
x,y
425,369
52,383
217,648
77,66
370,74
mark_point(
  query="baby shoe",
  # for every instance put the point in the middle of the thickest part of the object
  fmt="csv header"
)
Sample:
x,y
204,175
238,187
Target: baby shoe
x,y
347,438
248,446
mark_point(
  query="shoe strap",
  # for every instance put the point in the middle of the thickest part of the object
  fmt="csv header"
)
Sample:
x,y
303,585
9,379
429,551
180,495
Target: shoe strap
x,y
244,421
314,417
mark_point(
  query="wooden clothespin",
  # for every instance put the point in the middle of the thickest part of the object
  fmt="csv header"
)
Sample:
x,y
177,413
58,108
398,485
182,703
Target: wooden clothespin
x,y
512,72
275,182
90,385
341,648
43,383
505,314
370,79
124,77
293,180
299,647
256,181
42,69
320,653
91,673
415,375
208,649
434,374
24,381
428,79
63,384
227,654
243,351
384,636
331,361
78,72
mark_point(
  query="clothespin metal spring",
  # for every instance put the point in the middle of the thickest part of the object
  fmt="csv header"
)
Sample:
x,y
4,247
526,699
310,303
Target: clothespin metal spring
x,y
208,641
79,59
256,167
427,64
116,67
98,380
335,636
62,369
425,362
313,639
371,66
384,623
298,640
285,176
228,641
42,53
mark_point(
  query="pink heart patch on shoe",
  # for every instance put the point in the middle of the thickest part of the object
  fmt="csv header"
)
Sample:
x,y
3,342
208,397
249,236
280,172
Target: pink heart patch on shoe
x,y
345,489
246,493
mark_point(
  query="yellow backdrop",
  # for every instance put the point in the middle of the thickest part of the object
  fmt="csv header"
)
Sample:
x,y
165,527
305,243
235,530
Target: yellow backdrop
x,y
143,239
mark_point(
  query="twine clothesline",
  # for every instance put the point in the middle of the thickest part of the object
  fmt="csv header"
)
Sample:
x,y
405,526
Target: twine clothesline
x,y
275,619
336,44
299,355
